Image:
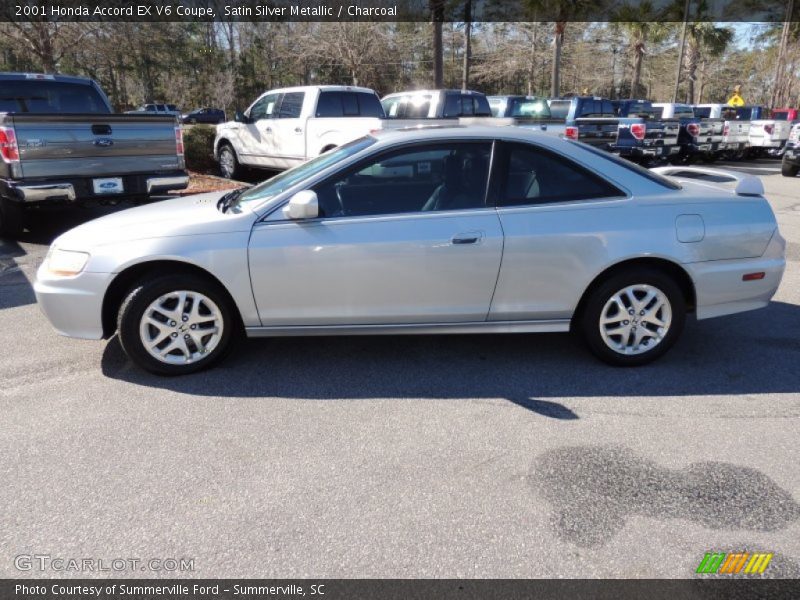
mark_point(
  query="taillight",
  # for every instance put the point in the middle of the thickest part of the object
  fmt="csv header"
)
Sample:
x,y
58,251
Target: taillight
x,y
726,130
693,129
8,145
638,130
571,132
769,129
179,140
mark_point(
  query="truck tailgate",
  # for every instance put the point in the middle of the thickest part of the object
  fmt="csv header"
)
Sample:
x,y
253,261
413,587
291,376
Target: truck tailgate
x,y
61,145
601,132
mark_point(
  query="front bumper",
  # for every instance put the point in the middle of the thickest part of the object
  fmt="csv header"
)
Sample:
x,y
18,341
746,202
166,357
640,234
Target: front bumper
x,y
72,189
73,305
719,287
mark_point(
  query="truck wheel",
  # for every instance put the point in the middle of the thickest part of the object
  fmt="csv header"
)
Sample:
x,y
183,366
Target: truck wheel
x,y
12,217
229,165
177,324
788,169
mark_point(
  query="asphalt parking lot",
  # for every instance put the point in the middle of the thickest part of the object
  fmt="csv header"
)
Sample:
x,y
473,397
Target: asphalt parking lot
x,y
451,456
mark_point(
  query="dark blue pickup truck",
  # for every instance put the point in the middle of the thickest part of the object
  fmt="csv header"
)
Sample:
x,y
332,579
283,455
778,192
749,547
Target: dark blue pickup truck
x,y
642,135
625,127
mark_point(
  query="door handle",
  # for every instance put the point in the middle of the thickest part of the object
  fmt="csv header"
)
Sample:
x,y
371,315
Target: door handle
x,y
298,130
473,237
268,130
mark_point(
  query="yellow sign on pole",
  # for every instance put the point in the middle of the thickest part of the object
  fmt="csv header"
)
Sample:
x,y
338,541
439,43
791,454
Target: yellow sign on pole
x,y
735,100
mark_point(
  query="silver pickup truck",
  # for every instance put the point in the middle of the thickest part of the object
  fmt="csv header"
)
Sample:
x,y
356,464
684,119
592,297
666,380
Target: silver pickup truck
x,y
60,143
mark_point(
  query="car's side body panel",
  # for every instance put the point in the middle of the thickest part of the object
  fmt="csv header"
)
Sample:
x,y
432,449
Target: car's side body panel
x,y
405,268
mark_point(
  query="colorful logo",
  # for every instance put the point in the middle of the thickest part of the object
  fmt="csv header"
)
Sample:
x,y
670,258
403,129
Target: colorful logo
x,y
735,563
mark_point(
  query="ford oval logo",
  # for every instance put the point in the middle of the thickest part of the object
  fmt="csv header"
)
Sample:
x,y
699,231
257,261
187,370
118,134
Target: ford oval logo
x,y
108,185
104,142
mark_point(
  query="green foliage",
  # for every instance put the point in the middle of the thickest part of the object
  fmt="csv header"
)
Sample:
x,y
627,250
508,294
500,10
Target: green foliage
x,y
198,144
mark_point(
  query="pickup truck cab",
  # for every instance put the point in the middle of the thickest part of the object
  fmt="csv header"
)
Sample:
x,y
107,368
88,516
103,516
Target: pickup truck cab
x,y
735,127
286,127
698,137
436,104
790,165
642,135
60,143
769,135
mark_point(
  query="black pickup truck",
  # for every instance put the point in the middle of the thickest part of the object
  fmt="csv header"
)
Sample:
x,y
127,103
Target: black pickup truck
x,y
60,143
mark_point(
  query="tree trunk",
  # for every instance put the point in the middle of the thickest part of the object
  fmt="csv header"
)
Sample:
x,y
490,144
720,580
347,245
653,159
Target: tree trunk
x,y
776,96
555,77
467,43
637,68
532,67
437,12
680,52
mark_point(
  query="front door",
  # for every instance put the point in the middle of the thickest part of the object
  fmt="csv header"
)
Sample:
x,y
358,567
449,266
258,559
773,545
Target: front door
x,y
405,237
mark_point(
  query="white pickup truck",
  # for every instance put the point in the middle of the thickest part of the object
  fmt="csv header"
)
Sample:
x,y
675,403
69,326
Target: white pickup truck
x,y
768,136
288,126
735,131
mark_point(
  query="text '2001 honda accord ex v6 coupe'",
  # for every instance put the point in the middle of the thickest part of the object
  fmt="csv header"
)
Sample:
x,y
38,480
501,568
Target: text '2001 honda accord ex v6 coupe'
x,y
441,230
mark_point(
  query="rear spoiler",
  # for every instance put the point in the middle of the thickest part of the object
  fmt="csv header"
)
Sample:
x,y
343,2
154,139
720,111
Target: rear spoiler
x,y
746,185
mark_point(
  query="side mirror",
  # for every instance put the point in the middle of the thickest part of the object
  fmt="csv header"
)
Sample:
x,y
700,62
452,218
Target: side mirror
x,y
239,117
303,205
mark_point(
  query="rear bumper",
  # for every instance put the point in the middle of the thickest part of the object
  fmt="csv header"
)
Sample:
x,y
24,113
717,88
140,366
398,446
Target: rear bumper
x,y
71,189
648,151
702,148
73,305
719,287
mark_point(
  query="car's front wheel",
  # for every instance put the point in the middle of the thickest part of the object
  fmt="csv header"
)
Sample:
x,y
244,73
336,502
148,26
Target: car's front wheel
x,y
633,317
788,169
176,324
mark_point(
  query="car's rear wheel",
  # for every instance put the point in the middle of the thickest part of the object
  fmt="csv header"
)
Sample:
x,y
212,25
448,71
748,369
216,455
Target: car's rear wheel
x,y
229,165
633,317
12,218
176,324
788,169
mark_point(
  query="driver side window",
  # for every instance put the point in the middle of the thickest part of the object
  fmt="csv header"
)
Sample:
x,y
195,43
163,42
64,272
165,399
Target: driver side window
x,y
264,108
433,177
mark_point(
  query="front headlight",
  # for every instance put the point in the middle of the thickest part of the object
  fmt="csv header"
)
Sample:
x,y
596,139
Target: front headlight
x,y
66,262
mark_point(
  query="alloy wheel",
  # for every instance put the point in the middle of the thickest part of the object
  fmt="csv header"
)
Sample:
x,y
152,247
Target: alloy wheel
x,y
635,319
181,327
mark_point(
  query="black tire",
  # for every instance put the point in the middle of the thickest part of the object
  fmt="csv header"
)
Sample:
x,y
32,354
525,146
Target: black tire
x,y
231,169
148,291
12,218
590,317
788,169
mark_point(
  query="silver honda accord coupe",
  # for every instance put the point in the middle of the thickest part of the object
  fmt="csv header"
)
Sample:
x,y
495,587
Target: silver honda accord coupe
x,y
439,230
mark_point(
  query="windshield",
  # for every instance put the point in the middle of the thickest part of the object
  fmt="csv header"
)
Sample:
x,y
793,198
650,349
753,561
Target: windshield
x,y
642,110
780,115
529,108
283,181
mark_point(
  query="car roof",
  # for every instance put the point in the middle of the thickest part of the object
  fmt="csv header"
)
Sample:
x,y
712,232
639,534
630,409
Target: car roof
x,y
44,77
434,91
424,133
322,88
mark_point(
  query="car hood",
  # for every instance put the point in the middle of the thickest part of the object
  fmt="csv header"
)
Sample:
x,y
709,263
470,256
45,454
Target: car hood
x,y
188,215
